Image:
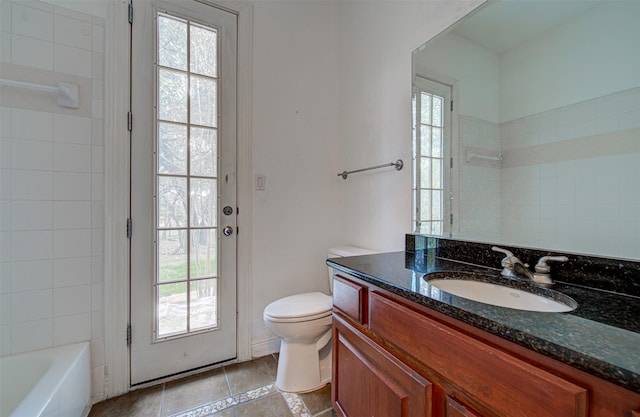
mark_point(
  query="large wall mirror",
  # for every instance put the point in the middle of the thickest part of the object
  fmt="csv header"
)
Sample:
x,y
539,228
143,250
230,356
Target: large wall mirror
x,y
541,146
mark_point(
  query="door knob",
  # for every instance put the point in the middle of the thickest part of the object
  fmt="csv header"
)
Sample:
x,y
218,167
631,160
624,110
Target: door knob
x,y
227,231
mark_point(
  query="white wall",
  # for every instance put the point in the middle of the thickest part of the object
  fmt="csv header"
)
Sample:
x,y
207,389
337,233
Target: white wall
x,y
51,187
375,69
296,133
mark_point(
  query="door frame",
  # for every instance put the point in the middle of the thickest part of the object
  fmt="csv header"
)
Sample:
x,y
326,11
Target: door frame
x,y
117,190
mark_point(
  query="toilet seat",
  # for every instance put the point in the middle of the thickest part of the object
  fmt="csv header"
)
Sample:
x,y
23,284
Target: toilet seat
x,y
300,307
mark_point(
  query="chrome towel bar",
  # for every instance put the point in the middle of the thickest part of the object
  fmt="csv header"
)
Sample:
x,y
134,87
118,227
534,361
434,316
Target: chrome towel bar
x,y
67,93
398,164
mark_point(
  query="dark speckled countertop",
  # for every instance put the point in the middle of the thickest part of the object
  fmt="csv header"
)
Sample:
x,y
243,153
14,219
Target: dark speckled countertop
x,y
601,336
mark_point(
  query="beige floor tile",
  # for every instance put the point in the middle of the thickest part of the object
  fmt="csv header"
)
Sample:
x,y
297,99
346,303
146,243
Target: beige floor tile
x,y
186,393
140,403
250,375
328,413
272,405
318,400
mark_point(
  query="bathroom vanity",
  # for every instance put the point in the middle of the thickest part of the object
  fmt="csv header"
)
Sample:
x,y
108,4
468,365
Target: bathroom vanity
x,y
401,347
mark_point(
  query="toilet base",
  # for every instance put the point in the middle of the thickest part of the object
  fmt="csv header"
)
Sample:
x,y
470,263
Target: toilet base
x,y
304,367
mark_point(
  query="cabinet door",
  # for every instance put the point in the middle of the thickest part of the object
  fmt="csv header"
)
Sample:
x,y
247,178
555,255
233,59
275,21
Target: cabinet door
x,y
369,382
455,409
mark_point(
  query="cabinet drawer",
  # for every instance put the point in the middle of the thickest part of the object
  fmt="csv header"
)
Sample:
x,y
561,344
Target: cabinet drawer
x,y
494,379
350,298
455,409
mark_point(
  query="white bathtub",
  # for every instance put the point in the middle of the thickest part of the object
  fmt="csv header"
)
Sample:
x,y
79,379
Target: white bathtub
x,y
53,382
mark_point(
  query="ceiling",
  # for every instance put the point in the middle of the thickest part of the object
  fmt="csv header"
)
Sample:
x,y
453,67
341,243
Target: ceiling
x,y
512,22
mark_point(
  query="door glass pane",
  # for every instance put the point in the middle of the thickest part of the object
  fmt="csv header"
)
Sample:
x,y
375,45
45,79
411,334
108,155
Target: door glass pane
x,y
172,202
172,96
203,51
204,253
204,152
172,42
172,308
203,202
204,299
172,255
172,148
203,101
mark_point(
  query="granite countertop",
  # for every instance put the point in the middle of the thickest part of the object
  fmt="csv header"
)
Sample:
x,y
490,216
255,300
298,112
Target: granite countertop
x,y
601,336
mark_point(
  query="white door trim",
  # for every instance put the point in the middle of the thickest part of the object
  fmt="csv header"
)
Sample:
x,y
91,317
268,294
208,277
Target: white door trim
x,y
116,262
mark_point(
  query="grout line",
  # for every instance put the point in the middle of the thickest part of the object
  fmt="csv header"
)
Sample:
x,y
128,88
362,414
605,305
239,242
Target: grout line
x,y
162,400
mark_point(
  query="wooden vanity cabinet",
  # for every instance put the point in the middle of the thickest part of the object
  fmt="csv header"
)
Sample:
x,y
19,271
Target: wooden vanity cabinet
x,y
399,358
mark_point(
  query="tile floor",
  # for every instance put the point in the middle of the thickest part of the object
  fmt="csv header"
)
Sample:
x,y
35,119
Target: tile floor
x,y
239,390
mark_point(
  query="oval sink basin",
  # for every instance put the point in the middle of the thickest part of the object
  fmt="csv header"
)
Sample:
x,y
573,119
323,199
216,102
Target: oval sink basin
x,y
504,295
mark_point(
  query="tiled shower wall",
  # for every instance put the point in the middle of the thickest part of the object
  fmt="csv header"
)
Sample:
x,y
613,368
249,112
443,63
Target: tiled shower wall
x,y
568,178
587,198
51,183
479,183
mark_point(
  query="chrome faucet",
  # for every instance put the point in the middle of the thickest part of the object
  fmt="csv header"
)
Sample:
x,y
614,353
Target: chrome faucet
x,y
515,268
512,267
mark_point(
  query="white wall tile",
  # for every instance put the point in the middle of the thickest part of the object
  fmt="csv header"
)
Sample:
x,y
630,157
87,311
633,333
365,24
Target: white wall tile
x,y
98,38
97,242
5,308
72,329
97,381
97,214
32,22
5,336
31,245
31,275
71,271
74,61
71,186
97,132
71,300
5,46
32,335
72,215
97,187
97,269
70,157
31,305
97,159
31,185
28,124
97,297
31,215
5,15
31,52
72,32
71,243
5,246
97,325
5,153
72,129
5,214
32,154
97,352
5,277
97,67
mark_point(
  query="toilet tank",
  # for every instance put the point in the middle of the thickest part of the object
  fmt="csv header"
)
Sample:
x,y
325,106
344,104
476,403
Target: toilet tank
x,y
342,251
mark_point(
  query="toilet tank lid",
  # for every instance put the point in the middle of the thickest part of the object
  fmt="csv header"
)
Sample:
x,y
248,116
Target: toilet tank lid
x,y
339,251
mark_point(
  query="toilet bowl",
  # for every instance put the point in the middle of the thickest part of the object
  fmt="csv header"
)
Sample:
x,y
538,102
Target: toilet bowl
x,y
303,322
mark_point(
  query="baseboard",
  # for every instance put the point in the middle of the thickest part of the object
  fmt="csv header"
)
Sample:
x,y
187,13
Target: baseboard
x,y
265,346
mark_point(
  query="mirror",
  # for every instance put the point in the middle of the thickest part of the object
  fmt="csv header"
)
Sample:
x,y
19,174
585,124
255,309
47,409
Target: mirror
x,y
542,148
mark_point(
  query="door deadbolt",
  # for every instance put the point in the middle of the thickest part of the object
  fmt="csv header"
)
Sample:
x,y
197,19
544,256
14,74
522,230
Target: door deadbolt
x,y
227,210
227,231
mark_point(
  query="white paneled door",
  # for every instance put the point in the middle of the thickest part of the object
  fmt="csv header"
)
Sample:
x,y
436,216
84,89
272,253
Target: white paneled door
x,y
183,187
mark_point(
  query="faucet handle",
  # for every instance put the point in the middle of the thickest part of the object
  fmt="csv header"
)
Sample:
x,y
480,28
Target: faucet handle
x,y
509,258
543,268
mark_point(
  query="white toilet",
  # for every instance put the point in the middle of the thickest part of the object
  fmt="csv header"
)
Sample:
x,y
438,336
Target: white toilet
x,y
303,321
